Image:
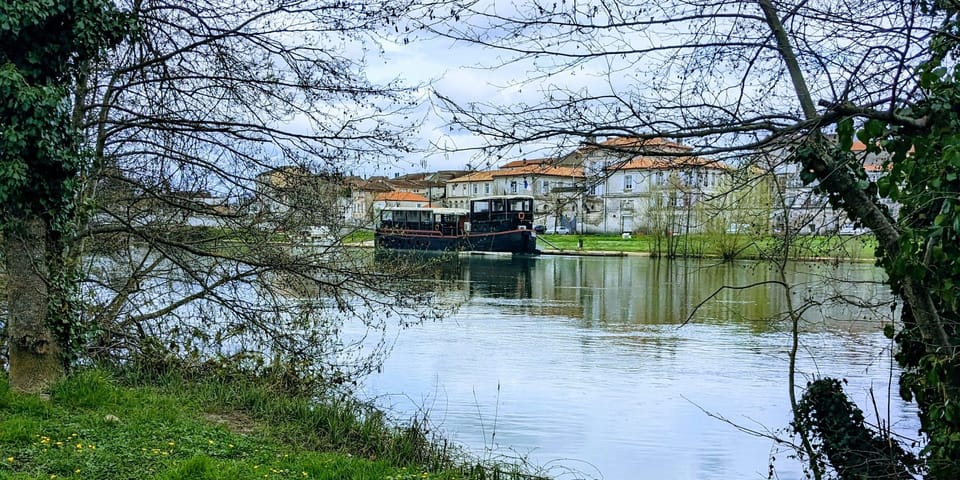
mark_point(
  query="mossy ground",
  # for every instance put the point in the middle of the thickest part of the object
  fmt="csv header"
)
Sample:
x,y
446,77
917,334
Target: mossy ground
x,y
97,425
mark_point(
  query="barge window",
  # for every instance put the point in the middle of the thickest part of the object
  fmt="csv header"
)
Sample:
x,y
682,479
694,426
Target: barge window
x,y
497,205
401,218
481,206
521,205
413,220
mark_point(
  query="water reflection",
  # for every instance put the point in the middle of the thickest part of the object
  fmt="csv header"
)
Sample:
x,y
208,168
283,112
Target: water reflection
x,y
585,358
612,292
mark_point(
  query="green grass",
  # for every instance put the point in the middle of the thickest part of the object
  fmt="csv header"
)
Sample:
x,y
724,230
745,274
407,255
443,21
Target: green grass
x,y
359,236
740,246
95,426
600,243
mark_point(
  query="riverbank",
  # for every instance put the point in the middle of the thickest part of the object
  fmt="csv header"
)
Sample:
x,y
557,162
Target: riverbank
x,y
725,246
98,425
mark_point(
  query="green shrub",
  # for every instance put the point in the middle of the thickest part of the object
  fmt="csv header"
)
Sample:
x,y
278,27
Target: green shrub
x,y
86,389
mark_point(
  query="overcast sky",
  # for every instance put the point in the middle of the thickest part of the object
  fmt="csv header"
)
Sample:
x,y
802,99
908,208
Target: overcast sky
x,y
464,73
455,70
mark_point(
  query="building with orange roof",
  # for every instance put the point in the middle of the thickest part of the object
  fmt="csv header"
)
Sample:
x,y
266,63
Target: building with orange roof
x,y
658,193
399,199
805,211
524,162
628,179
535,179
553,187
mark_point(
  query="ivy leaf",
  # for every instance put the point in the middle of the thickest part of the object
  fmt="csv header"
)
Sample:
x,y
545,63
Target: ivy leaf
x,y
845,134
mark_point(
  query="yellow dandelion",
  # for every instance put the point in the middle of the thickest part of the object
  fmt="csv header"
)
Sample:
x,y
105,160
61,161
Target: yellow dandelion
x,y
76,471
304,474
10,459
170,443
230,445
210,442
79,446
59,444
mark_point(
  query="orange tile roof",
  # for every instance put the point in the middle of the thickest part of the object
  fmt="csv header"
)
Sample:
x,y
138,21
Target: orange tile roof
x,y
530,169
666,163
541,170
525,162
482,176
399,197
656,143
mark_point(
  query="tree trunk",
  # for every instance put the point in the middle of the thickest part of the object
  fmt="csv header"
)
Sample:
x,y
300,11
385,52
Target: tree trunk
x,y
856,203
34,353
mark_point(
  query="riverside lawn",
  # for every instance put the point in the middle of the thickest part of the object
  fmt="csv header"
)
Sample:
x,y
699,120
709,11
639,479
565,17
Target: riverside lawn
x,y
731,246
102,425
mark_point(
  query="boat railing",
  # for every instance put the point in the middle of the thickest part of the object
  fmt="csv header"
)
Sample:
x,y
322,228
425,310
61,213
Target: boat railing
x,y
437,230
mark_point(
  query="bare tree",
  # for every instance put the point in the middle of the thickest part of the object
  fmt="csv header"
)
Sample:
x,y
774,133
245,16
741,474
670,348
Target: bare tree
x,y
181,248
222,133
734,79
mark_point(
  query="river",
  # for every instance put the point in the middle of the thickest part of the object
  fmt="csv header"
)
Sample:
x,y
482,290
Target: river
x,y
590,368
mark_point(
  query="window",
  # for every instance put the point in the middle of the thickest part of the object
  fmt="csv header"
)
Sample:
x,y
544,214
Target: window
x,y
659,178
545,187
476,188
486,188
513,187
628,182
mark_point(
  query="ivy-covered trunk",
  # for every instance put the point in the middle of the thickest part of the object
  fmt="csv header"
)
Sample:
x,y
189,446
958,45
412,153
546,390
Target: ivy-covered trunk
x,y
35,360
44,46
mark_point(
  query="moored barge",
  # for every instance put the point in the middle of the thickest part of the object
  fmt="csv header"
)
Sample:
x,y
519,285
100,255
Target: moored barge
x,y
490,224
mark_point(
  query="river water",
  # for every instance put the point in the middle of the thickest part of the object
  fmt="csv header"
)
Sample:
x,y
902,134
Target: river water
x,y
590,368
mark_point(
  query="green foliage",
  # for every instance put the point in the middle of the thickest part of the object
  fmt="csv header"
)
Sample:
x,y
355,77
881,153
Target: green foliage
x,y
172,428
48,40
44,46
86,389
840,434
17,430
923,176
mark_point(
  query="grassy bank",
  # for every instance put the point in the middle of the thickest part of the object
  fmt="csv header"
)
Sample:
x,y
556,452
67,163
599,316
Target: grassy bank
x,y
704,245
728,245
97,425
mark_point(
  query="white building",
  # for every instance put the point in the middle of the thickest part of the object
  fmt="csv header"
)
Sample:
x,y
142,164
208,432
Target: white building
x,y
555,189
